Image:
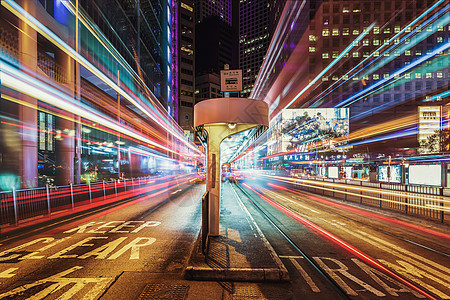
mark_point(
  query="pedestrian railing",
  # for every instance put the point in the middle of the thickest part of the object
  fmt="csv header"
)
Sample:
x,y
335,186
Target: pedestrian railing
x,y
422,201
17,205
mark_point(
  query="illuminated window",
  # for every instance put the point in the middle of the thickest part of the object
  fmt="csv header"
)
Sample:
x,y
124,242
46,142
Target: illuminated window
x,y
407,41
345,31
355,77
386,41
365,42
346,55
335,54
355,43
366,77
355,31
366,54
335,31
397,28
345,9
324,78
312,38
386,54
439,39
335,78
408,75
418,75
376,29
396,41
408,29
185,6
376,76
439,75
386,75
418,52
312,49
345,77
387,30
376,53
355,54
429,75
440,28
376,42
325,55
408,53
396,53
325,32
430,28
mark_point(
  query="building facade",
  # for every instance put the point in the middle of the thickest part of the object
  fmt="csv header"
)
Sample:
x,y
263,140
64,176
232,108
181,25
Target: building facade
x,y
99,100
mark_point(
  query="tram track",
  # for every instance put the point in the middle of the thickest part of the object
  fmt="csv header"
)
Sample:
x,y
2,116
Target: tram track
x,y
310,260
323,273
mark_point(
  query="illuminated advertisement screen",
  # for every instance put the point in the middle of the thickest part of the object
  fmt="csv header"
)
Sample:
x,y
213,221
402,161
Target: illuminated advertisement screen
x,y
425,174
333,172
395,176
348,172
304,127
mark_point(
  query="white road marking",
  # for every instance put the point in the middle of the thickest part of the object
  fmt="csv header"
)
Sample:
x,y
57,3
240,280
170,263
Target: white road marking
x,y
134,246
44,240
8,273
60,282
343,270
103,251
266,191
376,274
305,276
412,266
79,244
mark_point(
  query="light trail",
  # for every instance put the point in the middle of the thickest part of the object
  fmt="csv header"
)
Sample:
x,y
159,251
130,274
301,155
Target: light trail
x,y
365,257
57,41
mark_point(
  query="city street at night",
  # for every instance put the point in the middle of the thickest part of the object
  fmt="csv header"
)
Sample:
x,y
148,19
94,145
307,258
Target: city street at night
x,y
224,149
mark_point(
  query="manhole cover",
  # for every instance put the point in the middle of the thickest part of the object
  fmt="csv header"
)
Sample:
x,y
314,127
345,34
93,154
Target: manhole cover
x,y
156,291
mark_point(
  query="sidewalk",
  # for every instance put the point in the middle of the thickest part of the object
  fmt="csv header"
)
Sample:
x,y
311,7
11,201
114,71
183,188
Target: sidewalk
x,y
240,252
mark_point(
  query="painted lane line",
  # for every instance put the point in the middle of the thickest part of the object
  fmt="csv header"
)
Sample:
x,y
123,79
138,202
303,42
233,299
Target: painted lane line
x,y
305,276
8,273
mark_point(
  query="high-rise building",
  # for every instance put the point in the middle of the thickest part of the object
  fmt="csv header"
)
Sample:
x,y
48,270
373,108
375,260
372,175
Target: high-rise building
x,y
257,22
220,8
216,40
184,63
114,69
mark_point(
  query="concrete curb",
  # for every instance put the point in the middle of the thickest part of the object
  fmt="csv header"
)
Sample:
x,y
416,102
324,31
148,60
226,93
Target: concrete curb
x,y
235,274
284,274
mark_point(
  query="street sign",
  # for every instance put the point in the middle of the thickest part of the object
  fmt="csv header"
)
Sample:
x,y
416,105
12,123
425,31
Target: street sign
x,y
231,80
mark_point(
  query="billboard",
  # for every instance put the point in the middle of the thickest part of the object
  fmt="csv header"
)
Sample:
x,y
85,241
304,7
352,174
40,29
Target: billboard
x,y
304,128
425,174
429,129
333,172
390,173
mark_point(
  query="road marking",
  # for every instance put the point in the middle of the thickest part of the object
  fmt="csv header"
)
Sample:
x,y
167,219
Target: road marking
x,y
103,251
305,276
290,200
403,266
32,254
79,244
115,228
8,273
134,246
373,274
60,282
343,270
44,240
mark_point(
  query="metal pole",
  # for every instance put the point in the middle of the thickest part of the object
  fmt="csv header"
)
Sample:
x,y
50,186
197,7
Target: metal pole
x,y
115,186
125,184
104,192
15,206
48,199
71,195
90,193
